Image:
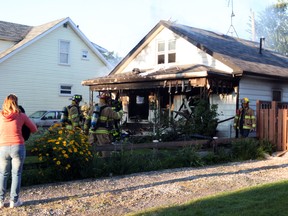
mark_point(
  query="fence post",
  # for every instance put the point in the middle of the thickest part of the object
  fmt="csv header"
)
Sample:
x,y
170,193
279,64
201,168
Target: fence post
x,y
273,121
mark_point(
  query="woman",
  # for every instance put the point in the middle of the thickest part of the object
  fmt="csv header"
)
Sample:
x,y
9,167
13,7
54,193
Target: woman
x,y
12,148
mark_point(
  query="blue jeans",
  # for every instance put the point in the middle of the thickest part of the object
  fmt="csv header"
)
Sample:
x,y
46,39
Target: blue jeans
x,y
244,132
14,156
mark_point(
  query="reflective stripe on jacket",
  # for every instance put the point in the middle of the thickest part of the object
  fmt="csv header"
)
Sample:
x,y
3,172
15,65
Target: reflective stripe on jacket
x,y
249,119
74,115
106,120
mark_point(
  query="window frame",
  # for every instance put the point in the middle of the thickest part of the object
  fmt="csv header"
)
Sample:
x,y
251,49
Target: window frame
x,y
85,55
62,90
277,94
168,54
64,51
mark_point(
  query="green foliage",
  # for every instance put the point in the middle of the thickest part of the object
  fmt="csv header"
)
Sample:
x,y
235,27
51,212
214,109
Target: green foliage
x,y
52,145
66,152
204,118
202,121
247,149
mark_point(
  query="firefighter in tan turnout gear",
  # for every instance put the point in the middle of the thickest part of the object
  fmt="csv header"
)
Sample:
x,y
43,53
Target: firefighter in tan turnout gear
x,y
71,115
245,120
102,122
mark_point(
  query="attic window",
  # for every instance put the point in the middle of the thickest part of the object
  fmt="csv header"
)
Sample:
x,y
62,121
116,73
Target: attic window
x,y
85,55
166,51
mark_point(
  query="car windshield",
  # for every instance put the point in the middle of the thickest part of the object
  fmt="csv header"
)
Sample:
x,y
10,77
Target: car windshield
x,y
37,114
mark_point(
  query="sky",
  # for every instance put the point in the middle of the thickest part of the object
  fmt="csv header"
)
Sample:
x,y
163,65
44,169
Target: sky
x,y
118,25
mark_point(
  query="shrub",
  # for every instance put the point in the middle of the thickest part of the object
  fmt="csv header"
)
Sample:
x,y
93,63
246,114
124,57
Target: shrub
x,y
67,153
247,149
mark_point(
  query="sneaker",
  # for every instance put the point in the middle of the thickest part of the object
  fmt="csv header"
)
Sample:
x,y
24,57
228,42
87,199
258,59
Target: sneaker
x,y
1,204
15,204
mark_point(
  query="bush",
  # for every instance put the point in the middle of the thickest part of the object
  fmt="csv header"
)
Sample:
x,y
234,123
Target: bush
x,y
247,149
67,153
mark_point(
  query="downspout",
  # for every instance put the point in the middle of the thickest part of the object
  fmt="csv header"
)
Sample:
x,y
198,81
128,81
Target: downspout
x,y
237,107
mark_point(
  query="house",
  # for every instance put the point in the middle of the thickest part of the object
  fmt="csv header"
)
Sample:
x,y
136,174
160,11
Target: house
x,y
174,63
44,65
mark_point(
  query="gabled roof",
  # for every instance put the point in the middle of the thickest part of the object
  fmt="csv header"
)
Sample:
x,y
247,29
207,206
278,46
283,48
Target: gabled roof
x,y
241,55
24,36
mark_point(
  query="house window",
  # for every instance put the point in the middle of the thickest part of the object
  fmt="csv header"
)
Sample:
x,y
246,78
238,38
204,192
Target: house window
x,y
65,89
64,52
85,54
166,52
276,95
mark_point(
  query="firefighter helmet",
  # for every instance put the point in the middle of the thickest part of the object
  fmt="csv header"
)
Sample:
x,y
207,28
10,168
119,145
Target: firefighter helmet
x,y
77,98
245,100
105,96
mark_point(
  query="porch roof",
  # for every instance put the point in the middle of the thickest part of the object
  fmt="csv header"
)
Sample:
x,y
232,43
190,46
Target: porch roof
x,y
153,78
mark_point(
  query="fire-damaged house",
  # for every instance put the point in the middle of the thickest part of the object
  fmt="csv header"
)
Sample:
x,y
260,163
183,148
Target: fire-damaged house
x,y
174,64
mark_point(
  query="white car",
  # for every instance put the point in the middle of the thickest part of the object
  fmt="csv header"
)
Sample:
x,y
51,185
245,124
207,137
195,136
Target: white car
x,y
46,118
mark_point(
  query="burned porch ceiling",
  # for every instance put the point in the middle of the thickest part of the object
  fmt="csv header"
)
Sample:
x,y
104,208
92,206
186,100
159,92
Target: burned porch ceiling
x,y
141,79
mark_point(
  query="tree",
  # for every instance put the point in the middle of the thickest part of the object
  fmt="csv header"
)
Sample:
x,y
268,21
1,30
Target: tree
x,y
273,26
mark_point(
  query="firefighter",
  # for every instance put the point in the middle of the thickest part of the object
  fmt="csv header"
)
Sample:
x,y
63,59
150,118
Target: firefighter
x,y
71,115
102,122
245,120
85,117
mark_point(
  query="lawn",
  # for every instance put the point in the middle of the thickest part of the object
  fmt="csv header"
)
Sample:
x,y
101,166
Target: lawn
x,y
264,200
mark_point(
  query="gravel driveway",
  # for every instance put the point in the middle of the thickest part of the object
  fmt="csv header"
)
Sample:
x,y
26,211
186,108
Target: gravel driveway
x,y
126,194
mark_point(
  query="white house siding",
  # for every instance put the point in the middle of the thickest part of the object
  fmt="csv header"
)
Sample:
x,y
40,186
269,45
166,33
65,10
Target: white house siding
x,y
186,54
226,109
35,75
261,89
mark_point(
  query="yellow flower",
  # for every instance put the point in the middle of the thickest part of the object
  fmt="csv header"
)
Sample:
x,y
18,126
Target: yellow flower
x,y
71,142
57,143
86,159
40,158
63,151
81,153
47,154
51,140
60,132
66,156
59,138
58,162
70,150
54,148
54,159
75,150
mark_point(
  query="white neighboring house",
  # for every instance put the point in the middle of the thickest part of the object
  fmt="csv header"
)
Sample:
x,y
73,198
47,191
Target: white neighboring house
x,y
44,65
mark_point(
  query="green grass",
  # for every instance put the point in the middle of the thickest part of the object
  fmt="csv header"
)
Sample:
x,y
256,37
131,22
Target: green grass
x,y
264,200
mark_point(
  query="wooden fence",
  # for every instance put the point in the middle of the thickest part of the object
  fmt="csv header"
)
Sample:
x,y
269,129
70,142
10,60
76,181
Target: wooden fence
x,y
272,123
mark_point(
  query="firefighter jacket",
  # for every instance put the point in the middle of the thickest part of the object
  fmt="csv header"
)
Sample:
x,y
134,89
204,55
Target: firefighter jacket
x,y
106,120
245,119
74,116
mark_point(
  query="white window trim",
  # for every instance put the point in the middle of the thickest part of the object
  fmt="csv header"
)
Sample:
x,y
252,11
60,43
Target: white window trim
x,y
166,51
83,55
64,94
68,53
